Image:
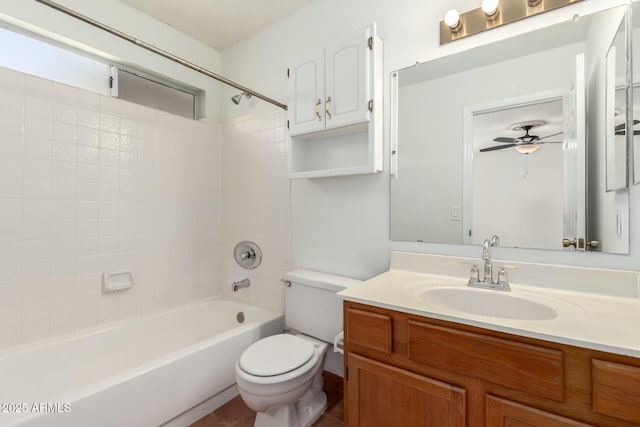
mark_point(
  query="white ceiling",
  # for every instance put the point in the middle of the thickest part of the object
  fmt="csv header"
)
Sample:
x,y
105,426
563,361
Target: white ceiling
x,y
218,23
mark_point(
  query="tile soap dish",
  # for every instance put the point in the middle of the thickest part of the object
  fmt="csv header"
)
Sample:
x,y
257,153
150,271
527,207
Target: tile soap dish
x,y
117,281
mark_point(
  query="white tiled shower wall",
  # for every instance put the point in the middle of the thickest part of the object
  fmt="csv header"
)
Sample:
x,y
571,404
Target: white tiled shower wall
x,y
255,204
90,184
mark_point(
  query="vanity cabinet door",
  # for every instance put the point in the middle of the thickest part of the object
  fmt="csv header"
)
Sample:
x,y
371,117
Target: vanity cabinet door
x,y
616,390
382,395
504,413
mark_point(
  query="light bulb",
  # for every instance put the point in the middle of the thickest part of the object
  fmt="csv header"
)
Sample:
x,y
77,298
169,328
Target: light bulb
x,y
452,20
527,148
490,8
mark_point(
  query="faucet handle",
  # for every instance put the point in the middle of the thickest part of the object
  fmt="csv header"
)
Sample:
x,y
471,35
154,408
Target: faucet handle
x,y
474,276
503,277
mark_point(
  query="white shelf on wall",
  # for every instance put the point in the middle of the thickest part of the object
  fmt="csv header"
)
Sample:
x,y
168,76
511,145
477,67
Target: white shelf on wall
x,y
342,151
335,108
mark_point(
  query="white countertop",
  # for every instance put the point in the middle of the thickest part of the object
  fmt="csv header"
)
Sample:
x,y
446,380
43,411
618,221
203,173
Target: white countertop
x,y
589,320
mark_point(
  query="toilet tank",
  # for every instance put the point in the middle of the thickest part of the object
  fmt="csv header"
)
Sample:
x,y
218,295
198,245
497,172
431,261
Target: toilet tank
x,y
311,304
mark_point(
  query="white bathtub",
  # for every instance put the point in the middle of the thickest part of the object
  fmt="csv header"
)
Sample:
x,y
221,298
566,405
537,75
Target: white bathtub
x,y
171,367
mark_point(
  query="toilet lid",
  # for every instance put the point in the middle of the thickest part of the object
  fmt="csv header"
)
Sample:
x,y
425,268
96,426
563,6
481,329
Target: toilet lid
x,y
276,355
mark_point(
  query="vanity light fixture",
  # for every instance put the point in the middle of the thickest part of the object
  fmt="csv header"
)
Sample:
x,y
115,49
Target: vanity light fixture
x,y
452,20
527,148
490,9
493,14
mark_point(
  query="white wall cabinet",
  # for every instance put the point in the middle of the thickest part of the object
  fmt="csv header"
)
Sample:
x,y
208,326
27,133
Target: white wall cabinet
x,y
335,108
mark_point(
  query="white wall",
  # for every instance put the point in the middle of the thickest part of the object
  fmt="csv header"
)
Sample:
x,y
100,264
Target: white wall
x,y
255,204
91,184
340,225
81,197
51,24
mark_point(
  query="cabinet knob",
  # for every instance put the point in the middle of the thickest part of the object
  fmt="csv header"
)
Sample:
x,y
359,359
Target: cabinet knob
x,y
593,244
318,102
580,243
326,107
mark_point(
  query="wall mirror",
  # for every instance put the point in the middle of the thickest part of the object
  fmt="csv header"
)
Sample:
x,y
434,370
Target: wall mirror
x,y
616,110
510,139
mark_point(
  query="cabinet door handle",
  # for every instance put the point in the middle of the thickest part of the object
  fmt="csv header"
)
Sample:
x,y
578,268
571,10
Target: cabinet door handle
x,y
318,109
326,107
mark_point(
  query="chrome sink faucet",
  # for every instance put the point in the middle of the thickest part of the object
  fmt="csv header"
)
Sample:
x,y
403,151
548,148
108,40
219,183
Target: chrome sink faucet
x,y
502,284
486,257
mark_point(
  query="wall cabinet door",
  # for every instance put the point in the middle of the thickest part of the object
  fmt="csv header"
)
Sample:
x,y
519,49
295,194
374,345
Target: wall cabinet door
x,y
330,87
504,413
306,93
348,85
382,395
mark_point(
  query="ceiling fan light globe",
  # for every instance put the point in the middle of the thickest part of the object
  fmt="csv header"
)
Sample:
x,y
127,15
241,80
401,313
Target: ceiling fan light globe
x,y
527,148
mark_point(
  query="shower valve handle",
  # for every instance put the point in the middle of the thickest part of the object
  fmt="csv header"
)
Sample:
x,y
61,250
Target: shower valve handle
x,y
326,107
318,109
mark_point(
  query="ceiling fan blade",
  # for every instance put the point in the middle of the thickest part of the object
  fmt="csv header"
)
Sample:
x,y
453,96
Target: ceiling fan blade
x,y
621,126
622,132
549,142
504,139
497,147
549,136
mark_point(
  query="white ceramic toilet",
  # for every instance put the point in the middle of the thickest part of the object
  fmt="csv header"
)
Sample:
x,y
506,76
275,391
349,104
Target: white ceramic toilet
x,y
280,376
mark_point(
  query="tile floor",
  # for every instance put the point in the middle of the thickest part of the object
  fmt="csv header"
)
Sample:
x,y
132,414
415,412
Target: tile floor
x,y
236,414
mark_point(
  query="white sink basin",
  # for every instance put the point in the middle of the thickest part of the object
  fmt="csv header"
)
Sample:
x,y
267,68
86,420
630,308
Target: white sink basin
x,y
486,302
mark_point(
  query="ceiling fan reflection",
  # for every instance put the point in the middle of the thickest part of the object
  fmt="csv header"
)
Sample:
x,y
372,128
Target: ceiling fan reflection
x,y
525,144
621,128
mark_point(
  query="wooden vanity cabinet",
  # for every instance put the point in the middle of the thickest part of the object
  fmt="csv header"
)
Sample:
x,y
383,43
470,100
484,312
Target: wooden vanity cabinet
x,y
406,370
388,396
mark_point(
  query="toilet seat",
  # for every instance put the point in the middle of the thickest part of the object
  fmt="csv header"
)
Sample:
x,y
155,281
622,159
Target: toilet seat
x,y
276,355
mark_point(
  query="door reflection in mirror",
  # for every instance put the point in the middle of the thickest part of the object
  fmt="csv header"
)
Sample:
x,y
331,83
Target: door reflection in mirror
x,y
517,174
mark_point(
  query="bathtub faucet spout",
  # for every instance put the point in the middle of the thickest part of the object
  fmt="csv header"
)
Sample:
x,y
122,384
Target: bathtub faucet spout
x,y
241,284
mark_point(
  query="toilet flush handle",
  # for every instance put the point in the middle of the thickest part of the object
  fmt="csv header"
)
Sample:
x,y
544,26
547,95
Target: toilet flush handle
x,y
287,283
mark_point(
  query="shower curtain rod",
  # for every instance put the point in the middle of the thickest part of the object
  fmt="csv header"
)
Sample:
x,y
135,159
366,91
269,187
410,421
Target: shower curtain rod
x,y
158,51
